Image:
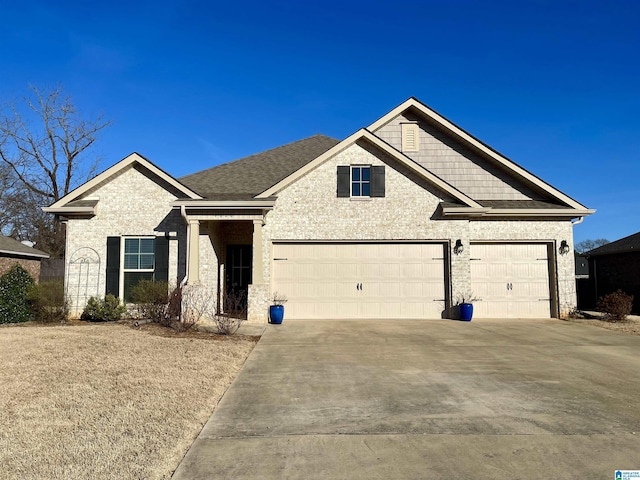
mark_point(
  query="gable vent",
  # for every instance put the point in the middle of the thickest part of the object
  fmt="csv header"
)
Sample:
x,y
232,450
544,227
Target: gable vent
x,y
410,137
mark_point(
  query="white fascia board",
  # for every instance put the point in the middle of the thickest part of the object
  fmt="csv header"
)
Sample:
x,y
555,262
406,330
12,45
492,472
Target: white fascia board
x,y
226,204
515,212
541,212
465,211
385,147
122,164
70,210
471,140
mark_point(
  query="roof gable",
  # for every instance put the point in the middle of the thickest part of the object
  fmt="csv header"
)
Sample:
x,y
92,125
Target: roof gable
x,y
386,148
73,202
249,176
508,169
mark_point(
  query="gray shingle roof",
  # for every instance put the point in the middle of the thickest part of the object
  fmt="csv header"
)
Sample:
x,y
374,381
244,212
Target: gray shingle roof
x,y
624,245
249,176
11,246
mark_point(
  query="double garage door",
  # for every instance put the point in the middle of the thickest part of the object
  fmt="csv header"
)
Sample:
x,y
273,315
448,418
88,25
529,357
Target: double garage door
x,y
360,280
407,280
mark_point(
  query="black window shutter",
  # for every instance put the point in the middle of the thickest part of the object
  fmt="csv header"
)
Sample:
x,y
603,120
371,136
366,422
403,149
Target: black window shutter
x,y
113,266
377,181
344,181
161,273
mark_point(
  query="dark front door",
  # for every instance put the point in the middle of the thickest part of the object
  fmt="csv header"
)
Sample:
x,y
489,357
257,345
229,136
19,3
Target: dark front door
x,y
238,275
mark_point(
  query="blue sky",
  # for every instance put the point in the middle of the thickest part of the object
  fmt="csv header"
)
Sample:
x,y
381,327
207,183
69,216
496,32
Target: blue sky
x,y
553,85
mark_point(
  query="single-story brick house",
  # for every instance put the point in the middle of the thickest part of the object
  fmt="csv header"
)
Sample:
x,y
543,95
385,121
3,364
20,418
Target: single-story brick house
x,y
614,266
399,220
13,251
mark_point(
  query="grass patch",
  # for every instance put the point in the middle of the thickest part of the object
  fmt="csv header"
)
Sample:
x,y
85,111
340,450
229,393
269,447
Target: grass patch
x,y
630,325
107,401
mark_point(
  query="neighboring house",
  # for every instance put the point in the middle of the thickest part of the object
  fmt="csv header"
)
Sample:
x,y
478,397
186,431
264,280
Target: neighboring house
x,y
614,266
13,251
398,221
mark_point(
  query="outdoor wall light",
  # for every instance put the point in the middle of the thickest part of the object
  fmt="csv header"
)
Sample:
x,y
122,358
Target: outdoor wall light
x,y
458,248
564,247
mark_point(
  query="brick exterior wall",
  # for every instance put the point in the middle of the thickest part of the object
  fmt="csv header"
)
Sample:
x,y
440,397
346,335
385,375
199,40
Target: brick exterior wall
x,y
31,266
130,203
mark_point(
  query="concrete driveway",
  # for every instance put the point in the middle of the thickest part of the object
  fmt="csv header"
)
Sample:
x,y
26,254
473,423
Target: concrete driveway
x,y
427,399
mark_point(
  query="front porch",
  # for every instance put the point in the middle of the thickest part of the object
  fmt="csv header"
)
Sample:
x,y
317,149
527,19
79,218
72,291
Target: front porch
x,y
225,252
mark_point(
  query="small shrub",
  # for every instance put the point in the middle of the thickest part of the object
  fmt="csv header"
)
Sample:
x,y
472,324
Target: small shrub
x,y
107,309
616,305
151,299
174,307
14,291
48,302
196,303
234,311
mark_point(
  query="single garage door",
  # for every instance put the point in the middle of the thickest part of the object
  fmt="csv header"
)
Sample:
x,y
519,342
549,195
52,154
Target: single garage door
x,y
510,280
360,280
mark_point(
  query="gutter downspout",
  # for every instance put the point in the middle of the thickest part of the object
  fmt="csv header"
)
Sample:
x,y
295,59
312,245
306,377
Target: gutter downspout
x,y
578,222
183,212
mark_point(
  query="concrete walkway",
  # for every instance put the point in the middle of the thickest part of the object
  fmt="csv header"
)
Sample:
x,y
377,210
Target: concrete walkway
x,y
526,399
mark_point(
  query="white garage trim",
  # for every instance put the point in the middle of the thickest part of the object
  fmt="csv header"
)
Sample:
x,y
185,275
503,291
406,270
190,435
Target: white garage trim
x,y
512,280
360,280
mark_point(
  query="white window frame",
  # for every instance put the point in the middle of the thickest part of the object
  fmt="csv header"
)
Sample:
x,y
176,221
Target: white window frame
x,y
360,182
123,239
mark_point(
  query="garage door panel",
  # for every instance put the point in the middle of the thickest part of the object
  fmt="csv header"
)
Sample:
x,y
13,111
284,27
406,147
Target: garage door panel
x,y
366,280
511,280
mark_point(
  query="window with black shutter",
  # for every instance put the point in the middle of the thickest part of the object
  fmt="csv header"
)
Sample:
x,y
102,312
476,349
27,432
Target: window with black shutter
x,y
358,181
140,258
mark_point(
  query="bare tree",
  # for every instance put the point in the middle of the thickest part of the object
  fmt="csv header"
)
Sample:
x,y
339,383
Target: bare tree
x,y
45,153
585,245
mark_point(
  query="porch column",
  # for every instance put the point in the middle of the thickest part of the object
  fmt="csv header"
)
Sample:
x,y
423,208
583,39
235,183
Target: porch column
x,y
257,271
194,252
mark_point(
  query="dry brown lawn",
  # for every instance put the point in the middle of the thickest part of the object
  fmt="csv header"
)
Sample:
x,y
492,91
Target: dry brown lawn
x,y
630,325
105,400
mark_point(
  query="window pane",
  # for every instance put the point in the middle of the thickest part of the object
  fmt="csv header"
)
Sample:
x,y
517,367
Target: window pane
x,y
131,245
131,261
355,189
355,173
146,262
146,245
365,173
365,189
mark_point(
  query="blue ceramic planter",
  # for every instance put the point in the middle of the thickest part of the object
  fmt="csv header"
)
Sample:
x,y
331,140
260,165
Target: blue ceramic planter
x,y
466,311
276,314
